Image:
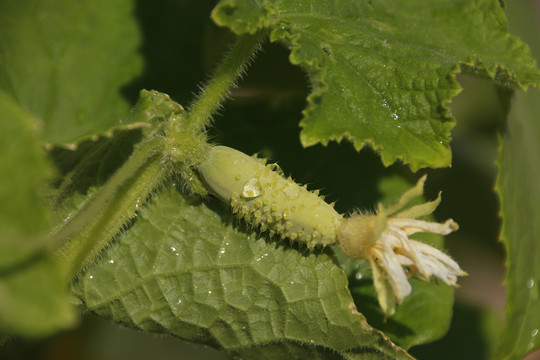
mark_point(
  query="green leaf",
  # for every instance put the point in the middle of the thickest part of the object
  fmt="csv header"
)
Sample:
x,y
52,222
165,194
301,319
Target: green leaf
x,y
23,211
33,285
383,71
425,315
65,61
182,269
34,299
519,193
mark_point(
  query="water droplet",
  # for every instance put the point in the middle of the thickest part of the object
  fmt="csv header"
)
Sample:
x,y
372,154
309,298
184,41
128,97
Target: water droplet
x,y
173,248
252,188
530,283
292,190
179,301
209,292
91,276
534,332
261,257
222,251
111,261
67,218
358,275
291,282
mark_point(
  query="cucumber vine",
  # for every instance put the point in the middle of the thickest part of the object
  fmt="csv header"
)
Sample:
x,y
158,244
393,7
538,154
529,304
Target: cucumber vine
x,y
176,144
257,193
152,223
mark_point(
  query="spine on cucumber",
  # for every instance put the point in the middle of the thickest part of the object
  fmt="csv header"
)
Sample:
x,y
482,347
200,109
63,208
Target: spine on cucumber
x,y
261,195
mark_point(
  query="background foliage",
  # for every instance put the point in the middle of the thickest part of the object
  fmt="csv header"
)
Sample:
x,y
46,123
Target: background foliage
x,y
48,99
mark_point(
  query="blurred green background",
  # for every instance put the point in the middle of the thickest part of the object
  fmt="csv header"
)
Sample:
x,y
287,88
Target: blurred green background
x,y
263,117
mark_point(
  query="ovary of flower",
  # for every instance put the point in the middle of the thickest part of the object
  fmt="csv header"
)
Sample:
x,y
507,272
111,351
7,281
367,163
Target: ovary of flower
x,y
383,240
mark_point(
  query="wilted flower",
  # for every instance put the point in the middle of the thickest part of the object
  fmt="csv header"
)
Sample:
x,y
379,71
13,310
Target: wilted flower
x,y
383,240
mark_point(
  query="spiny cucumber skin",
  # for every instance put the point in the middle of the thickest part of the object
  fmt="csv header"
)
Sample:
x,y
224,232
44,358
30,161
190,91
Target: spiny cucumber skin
x,y
264,198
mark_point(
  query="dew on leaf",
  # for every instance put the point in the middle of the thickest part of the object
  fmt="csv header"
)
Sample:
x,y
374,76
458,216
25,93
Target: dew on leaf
x,y
261,257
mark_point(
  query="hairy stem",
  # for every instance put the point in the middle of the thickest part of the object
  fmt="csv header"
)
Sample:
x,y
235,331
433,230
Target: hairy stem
x,y
228,72
96,224
99,221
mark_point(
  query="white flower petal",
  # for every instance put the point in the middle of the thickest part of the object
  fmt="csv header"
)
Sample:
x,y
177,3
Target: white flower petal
x,y
385,294
407,249
412,226
395,274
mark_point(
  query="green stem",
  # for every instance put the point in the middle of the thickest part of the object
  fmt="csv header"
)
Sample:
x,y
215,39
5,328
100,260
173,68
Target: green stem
x,y
96,224
99,221
225,76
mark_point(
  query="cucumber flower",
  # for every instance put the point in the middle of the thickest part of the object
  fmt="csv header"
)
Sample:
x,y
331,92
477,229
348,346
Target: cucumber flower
x,y
383,240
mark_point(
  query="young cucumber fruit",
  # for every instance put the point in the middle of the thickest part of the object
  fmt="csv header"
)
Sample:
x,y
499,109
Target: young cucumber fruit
x,y
261,195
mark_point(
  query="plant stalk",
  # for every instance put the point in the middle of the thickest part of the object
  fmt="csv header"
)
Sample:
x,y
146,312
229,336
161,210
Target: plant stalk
x,y
100,220
224,78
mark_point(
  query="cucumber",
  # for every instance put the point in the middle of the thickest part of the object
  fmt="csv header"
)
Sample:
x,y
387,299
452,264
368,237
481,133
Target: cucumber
x,y
264,198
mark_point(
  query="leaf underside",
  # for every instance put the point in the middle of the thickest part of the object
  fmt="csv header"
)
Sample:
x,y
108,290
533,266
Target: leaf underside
x,y
182,269
381,72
